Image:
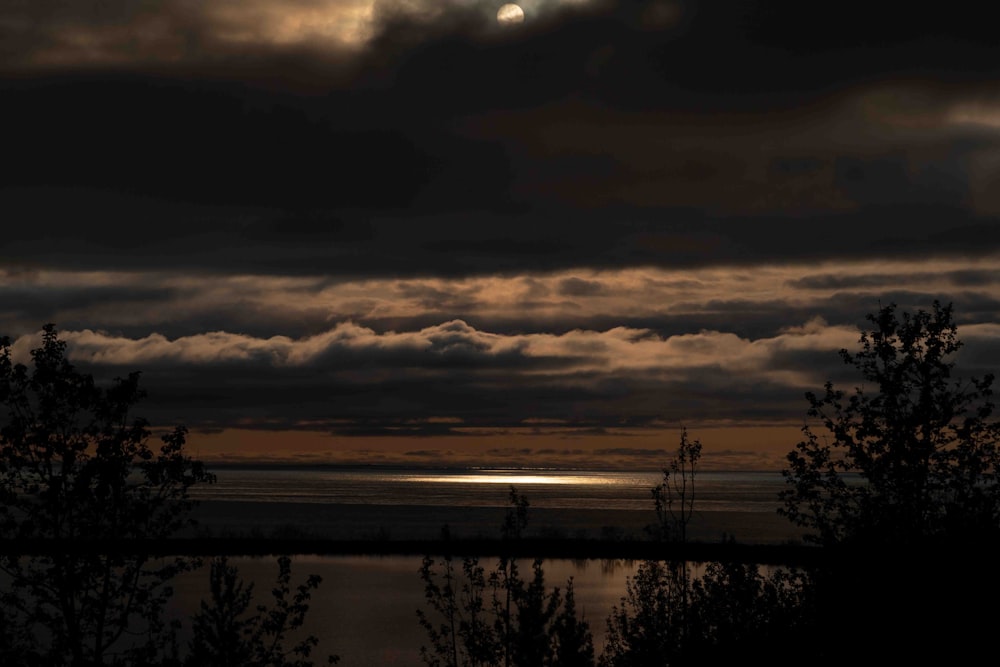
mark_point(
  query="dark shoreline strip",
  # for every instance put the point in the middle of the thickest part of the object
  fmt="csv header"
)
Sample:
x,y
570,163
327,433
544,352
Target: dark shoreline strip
x,y
569,549
547,548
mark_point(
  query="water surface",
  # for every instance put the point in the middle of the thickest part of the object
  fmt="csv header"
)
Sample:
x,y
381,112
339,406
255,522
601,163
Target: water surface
x,y
397,503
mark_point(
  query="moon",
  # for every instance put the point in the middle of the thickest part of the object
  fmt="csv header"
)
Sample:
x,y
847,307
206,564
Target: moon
x,y
510,14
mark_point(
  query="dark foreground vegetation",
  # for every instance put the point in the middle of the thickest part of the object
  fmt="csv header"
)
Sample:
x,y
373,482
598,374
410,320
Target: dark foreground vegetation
x,y
905,562
900,567
81,494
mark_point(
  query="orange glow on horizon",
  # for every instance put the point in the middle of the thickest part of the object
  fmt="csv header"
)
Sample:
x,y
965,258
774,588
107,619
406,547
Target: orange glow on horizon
x,y
736,447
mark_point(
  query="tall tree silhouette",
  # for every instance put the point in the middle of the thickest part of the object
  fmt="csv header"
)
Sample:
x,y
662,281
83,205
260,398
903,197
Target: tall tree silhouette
x,y
76,465
649,625
923,443
903,484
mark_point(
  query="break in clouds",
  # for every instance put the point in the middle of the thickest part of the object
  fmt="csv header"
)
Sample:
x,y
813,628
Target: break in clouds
x,y
47,33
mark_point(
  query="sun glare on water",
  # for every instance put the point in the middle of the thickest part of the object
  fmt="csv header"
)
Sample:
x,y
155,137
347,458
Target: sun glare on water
x,y
518,478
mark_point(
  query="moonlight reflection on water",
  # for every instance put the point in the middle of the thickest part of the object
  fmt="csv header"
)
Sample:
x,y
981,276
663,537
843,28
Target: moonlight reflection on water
x,y
516,479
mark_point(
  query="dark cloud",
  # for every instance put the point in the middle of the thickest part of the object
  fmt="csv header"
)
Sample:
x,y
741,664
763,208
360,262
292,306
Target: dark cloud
x,y
965,278
580,287
168,141
836,28
582,141
429,453
426,430
221,190
660,453
399,133
207,239
974,278
22,302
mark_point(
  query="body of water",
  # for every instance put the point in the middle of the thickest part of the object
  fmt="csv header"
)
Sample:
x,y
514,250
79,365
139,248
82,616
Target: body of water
x,y
406,503
365,609
564,489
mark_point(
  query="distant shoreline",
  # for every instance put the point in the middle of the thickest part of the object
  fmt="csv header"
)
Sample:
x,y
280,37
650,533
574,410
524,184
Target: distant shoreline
x,y
566,549
229,464
422,522
790,554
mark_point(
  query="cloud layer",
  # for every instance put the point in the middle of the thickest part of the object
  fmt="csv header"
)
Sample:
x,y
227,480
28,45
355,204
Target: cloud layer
x,y
600,354
385,219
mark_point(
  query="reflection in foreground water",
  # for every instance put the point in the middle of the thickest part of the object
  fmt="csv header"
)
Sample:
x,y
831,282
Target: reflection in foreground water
x,y
365,609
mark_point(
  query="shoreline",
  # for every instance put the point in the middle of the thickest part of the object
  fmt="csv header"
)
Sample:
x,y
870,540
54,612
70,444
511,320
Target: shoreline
x,y
425,522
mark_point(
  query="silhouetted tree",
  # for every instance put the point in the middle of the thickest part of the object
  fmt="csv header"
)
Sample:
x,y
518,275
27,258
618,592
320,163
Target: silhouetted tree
x,y
737,611
903,483
499,619
642,630
674,497
671,616
225,635
649,624
536,609
572,641
75,465
221,627
460,632
506,580
732,612
923,443
673,500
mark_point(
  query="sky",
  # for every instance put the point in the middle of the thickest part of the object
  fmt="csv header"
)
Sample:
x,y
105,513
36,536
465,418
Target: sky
x,y
402,232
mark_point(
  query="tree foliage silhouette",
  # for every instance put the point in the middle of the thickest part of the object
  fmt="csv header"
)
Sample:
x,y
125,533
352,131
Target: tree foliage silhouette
x,y
649,624
75,465
671,615
572,641
479,619
903,484
225,634
642,630
736,611
457,623
221,626
674,497
923,443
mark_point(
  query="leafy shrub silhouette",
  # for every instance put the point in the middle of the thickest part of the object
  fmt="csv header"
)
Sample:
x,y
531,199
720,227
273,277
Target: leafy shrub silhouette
x,y
922,442
572,641
915,533
76,466
462,634
643,629
647,626
670,615
475,619
220,627
738,611
77,471
225,635
731,611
